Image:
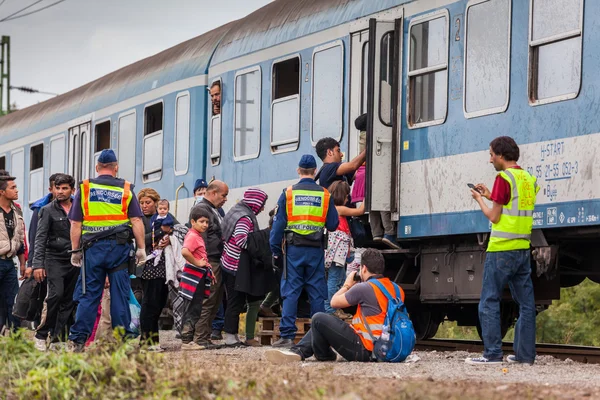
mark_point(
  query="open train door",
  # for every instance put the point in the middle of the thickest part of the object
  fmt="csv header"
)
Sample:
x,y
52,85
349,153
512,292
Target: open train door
x,y
383,123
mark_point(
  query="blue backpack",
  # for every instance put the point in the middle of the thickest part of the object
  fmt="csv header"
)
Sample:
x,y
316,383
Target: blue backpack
x,y
397,338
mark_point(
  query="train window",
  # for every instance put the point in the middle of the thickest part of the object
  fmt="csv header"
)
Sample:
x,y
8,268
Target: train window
x,y
428,70
101,139
285,106
215,129
555,40
57,155
327,91
487,58
385,81
364,78
36,172
153,142
182,133
126,146
3,163
247,114
17,167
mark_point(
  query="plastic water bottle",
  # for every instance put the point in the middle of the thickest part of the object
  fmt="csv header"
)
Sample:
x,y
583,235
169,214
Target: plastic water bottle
x,y
385,334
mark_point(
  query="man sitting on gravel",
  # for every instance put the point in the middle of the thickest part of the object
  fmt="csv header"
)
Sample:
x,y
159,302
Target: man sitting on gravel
x,y
328,333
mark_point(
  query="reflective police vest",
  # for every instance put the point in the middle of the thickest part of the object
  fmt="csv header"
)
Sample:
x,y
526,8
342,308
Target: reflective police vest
x,y
375,322
104,207
513,230
306,206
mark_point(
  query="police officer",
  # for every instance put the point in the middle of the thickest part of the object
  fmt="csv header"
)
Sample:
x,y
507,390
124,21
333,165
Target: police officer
x,y
105,216
303,211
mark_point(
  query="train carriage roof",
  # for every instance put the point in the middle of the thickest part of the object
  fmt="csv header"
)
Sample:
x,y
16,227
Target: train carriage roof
x,y
188,59
275,23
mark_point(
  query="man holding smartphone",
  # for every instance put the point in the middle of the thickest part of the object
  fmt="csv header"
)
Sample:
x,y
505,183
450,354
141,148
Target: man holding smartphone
x,y
508,254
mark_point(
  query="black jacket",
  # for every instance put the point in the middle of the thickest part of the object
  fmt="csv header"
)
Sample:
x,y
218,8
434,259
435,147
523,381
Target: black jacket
x,y
255,274
53,236
212,237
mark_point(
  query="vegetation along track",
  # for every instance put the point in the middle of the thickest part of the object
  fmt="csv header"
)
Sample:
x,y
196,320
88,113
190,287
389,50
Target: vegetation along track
x,y
582,354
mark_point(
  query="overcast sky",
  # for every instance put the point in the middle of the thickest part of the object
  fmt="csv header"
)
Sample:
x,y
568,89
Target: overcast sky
x,y
77,41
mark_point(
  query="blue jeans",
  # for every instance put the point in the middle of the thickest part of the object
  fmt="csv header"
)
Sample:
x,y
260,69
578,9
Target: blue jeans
x,y
512,268
9,286
219,321
336,275
100,259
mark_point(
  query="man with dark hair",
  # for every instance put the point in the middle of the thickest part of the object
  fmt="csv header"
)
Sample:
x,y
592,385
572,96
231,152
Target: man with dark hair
x,y
12,239
214,198
328,333
215,97
33,223
333,168
53,261
508,254
303,212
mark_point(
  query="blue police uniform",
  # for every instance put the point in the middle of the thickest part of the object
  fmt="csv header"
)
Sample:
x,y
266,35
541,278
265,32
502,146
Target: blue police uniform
x,y
305,265
107,252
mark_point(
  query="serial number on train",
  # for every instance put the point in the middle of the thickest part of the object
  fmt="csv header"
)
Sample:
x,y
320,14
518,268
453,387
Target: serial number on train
x,y
562,170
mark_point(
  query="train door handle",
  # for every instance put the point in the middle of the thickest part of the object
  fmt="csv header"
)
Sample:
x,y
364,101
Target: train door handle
x,y
380,141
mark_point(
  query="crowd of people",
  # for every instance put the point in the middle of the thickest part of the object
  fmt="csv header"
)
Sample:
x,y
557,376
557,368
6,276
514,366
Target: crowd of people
x,y
97,251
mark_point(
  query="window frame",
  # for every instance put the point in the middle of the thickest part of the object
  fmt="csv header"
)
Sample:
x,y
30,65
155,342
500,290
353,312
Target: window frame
x,y
444,13
62,136
238,74
5,158
93,142
12,154
152,135
215,158
493,110
273,145
187,158
533,44
390,66
316,50
37,170
124,114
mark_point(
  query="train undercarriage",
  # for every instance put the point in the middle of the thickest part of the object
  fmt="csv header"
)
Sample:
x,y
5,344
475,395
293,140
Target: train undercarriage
x,y
442,277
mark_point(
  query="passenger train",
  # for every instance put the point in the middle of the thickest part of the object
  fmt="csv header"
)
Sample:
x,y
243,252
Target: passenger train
x,y
439,79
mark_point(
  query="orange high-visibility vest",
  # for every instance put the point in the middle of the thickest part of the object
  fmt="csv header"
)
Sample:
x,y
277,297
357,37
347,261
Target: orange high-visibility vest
x,y
375,322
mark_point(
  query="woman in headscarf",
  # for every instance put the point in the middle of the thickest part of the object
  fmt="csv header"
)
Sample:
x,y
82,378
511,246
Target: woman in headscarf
x,y
238,223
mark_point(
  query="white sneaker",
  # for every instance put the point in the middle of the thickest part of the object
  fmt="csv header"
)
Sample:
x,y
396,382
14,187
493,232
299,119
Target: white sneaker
x,y
282,356
40,344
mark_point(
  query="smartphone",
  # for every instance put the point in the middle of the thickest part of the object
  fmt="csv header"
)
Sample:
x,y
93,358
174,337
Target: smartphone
x,y
471,186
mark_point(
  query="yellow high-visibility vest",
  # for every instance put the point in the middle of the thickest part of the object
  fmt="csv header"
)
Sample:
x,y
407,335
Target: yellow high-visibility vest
x,y
104,207
306,207
513,230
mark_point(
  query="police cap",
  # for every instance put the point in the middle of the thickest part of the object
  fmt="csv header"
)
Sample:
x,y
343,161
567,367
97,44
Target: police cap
x,y
107,156
307,161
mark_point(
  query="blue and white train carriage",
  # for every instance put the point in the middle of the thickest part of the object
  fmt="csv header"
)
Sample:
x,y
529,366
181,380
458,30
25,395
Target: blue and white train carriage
x,y
439,78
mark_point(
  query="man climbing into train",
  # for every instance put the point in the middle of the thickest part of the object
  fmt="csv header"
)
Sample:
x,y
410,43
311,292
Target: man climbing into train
x,y
508,254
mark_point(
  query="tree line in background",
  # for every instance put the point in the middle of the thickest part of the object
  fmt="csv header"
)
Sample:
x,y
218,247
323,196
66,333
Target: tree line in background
x,y
574,319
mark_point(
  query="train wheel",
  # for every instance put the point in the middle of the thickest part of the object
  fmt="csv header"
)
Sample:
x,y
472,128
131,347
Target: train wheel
x,y
426,323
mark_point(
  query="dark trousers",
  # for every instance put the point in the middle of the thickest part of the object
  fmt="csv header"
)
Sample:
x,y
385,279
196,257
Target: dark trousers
x,y
235,303
192,315
219,321
211,303
9,286
59,304
328,333
156,293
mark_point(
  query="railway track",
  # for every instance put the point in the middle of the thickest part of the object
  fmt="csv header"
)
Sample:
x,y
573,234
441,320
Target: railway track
x,y
584,354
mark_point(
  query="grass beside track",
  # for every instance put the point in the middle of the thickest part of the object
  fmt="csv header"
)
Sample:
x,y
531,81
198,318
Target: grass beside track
x,y
122,371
